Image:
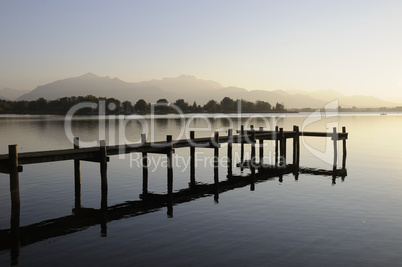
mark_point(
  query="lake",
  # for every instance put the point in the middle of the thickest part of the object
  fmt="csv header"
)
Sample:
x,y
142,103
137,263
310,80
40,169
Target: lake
x,y
310,221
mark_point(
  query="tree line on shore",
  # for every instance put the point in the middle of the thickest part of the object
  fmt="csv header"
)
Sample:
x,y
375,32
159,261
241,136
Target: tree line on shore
x,y
62,105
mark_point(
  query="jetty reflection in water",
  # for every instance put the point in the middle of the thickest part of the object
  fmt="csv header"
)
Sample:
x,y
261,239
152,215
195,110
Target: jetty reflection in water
x,y
82,218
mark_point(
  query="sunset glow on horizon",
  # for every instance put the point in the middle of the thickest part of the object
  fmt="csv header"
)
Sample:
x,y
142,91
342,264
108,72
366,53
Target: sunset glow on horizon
x,y
353,47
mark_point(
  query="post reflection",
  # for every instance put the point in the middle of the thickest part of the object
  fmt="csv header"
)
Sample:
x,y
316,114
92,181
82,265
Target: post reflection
x,y
15,225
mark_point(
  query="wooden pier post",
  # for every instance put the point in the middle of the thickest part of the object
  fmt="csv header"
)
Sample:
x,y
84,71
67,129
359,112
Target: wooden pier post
x,y
276,137
252,161
261,143
77,176
144,167
344,150
296,152
298,146
229,154
103,171
216,165
296,136
192,160
294,145
241,146
15,203
282,148
169,176
335,140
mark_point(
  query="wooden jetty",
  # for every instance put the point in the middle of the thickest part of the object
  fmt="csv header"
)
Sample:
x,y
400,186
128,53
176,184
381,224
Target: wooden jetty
x,y
83,218
13,162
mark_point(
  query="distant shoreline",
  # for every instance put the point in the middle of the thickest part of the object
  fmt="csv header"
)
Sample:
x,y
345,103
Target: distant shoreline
x,y
228,114
91,105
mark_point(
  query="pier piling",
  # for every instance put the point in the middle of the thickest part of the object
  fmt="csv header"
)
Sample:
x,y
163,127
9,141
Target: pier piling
x,y
103,171
276,134
77,176
241,146
192,159
252,161
229,154
216,164
169,176
344,149
261,145
335,141
144,167
15,203
282,148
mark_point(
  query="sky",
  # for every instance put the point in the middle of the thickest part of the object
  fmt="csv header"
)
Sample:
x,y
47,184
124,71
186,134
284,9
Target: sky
x,y
353,46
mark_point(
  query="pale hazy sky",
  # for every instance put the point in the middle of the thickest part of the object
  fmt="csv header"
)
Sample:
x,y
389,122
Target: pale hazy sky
x,y
353,46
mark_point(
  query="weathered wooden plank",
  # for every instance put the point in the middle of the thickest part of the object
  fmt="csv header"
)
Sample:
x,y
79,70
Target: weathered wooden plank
x,y
290,134
57,155
156,148
96,160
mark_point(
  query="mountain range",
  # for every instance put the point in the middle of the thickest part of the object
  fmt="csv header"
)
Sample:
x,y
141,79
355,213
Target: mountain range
x,y
11,94
190,89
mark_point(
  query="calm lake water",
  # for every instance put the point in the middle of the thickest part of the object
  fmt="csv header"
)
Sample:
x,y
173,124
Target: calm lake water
x,y
309,222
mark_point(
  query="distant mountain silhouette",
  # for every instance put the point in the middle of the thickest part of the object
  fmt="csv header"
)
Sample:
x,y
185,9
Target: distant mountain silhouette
x,y
91,84
190,89
11,94
182,84
4,98
360,101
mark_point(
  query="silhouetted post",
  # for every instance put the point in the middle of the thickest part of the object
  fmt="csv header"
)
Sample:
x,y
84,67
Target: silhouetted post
x,y
252,161
15,203
103,168
230,156
285,140
144,167
298,146
241,146
192,159
261,143
216,165
282,148
294,145
296,150
103,171
276,137
77,176
169,176
335,140
344,149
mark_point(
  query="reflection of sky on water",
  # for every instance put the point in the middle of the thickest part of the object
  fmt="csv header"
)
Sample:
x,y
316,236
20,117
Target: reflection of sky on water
x,y
359,219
